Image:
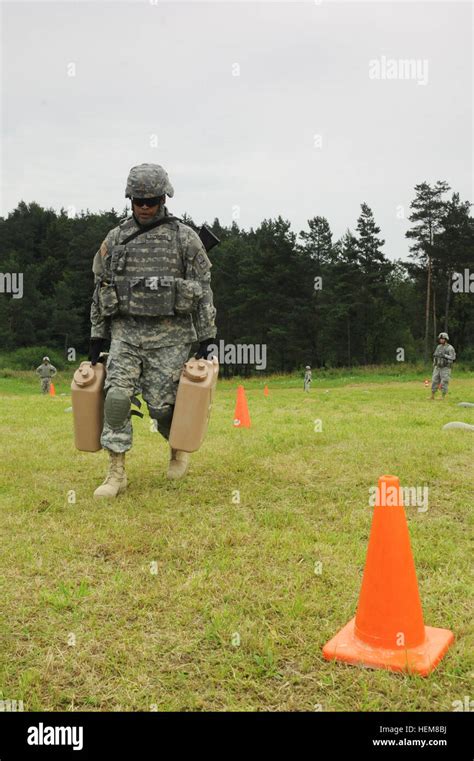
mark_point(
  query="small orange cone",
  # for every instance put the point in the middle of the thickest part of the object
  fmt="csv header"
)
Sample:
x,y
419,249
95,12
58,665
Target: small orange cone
x,y
265,391
427,383
241,414
52,390
388,630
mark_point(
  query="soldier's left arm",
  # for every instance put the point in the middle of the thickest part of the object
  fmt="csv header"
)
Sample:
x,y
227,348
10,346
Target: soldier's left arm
x,y
198,267
54,371
451,353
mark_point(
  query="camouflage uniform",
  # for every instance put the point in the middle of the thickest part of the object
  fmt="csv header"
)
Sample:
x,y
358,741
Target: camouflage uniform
x,y
443,359
46,371
153,297
307,379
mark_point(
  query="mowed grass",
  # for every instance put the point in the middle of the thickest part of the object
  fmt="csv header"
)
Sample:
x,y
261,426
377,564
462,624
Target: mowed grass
x,y
178,596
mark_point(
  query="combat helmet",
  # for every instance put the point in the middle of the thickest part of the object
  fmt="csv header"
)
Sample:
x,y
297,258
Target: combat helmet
x,y
443,335
148,181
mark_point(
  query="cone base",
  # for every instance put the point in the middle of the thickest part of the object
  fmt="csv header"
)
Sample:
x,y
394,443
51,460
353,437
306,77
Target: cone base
x,y
345,646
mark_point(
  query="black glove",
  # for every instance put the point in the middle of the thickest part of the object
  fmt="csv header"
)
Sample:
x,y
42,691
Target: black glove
x,y
96,346
203,351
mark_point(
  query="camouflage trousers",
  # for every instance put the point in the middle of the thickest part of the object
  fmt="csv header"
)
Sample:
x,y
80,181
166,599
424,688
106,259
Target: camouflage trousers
x,y
45,385
441,375
155,374
307,385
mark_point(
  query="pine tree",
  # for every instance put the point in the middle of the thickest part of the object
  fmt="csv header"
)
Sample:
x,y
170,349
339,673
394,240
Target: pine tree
x,y
453,248
428,210
315,254
375,269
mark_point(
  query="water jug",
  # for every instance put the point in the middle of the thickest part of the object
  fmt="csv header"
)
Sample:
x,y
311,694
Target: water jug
x,y
193,404
87,394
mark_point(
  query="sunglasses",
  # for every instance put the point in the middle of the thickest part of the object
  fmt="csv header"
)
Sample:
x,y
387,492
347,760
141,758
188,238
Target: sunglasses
x,y
146,201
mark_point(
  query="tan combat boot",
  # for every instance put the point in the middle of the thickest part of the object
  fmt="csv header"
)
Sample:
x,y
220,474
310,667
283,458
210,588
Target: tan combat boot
x,y
116,480
179,463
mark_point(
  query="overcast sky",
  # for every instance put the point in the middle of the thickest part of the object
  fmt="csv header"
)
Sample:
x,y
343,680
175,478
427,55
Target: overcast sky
x,y
258,109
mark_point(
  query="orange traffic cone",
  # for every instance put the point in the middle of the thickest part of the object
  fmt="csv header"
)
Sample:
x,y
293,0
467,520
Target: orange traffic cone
x,y
241,414
388,630
265,391
427,383
52,390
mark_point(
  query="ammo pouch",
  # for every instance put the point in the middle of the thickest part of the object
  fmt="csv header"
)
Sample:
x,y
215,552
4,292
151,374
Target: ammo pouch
x,y
187,295
108,300
108,296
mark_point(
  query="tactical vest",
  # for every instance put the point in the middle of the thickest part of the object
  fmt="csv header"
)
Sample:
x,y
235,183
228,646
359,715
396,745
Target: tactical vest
x,y
145,277
440,360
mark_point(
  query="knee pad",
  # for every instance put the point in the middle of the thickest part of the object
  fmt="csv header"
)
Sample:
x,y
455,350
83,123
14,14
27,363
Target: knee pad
x,y
117,408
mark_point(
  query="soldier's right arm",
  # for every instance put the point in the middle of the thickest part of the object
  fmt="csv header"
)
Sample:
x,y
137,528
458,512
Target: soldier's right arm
x,y
100,326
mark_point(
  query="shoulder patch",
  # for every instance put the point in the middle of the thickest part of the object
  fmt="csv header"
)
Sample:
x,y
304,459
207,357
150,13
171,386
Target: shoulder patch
x,y
201,262
103,249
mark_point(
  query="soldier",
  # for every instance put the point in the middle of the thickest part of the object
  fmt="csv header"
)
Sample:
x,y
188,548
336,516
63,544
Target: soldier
x,y
443,358
307,378
153,296
46,371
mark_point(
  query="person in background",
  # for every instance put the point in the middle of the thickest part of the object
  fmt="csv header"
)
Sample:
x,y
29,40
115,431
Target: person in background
x,y
46,371
443,358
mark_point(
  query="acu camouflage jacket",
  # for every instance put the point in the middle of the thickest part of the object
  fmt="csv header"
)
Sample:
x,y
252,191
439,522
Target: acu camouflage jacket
x,y
155,290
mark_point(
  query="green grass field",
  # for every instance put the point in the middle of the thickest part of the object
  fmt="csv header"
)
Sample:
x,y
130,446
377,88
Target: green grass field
x,y
178,597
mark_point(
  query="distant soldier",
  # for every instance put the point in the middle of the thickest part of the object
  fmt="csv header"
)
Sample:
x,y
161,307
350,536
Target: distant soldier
x,y
443,358
307,378
46,371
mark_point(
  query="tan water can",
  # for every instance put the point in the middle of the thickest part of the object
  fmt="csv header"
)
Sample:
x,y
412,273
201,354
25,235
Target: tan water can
x,y
193,404
87,393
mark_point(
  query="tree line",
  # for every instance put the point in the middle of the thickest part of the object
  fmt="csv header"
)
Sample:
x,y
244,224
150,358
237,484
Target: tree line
x,y
311,299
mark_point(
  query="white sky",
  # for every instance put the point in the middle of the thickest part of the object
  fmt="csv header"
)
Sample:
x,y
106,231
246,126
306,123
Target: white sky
x,y
247,141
